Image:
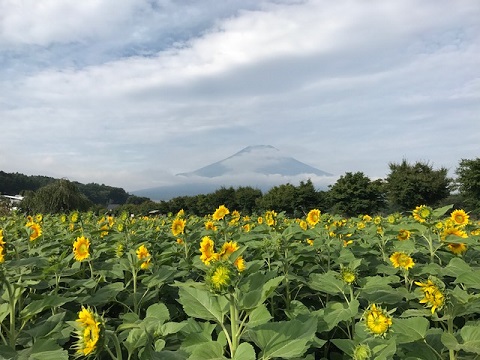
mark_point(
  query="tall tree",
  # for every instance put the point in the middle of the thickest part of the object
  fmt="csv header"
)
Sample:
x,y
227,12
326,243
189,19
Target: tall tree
x,y
468,182
57,197
354,194
410,185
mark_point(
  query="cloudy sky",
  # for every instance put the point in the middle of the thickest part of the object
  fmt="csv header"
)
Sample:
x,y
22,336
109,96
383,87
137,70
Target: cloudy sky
x,y
130,93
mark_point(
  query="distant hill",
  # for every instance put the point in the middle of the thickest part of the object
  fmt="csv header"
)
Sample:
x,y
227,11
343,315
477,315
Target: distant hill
x,y
260,166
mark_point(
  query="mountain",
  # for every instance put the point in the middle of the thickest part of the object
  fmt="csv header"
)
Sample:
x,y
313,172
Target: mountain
x,y
259,159
260,166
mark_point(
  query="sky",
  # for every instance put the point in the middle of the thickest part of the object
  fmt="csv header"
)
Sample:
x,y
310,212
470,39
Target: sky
x,y
129,93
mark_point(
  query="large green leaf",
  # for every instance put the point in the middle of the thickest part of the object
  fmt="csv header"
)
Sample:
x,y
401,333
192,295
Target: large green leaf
x,y
336,312
208,351
328,283
105,294
288,339
410,329
245,351
38,306
471,338
202,304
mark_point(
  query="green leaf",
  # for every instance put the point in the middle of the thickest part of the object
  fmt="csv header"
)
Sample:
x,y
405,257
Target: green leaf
x,y
410,329
105,294
328,283
136,339
471,339
385,351
202,304
47,349
441,211
336,312
159,312
470,279
245,351
287,339
52,324
346,345
260,315
208,351
37,306
449,341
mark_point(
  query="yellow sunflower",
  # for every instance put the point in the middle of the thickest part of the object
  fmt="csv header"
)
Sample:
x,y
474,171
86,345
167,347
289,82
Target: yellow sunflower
x,y
2,255
144,256
35,230
460,217
270,217
89,327
434,296
81,248
303,225
240,264
220,213
403,235
402,260
453,231
208,250
422,213
210,225
228,249
313,217
221,276
377,320
457,248
178,226
1,237
348,275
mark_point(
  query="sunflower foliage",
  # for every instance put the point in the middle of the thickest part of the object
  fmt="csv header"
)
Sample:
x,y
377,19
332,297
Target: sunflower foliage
x,y
232,286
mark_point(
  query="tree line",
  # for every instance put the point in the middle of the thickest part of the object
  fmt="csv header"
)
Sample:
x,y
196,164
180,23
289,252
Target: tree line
x,y
406,186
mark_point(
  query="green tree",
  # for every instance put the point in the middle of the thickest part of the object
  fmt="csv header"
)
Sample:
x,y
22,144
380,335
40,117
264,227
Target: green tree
x,y
354,194
468,182
57,197
410,185
280,198
246,198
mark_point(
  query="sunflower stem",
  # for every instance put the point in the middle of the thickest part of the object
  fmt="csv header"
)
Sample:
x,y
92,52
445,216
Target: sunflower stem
x,y
234,333
451,352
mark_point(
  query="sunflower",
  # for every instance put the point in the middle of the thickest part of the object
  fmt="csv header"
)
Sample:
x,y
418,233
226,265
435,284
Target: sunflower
x,y
433,294
1,238
309,242
178,226
90,327
220,213
35,230
208,250
452,231
422,213
457,248
460,217
2,255
220,277
74,217
210,225
260,220
81,248
303,225
377,320
366,218
144,256
270,217
403,235
362,352
228,249
240,264
348,275
402,260
313,217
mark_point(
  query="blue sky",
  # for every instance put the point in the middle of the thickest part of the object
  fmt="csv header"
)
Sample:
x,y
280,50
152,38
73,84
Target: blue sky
x,y
130,93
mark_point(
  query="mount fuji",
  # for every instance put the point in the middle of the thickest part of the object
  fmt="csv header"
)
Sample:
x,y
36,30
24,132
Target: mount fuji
x,y
259,166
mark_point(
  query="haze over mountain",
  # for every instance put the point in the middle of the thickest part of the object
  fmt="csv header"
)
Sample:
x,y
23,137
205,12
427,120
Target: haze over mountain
x,y
260,166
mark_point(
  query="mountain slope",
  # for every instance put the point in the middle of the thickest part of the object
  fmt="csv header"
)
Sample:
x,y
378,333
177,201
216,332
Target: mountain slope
x,y
260,159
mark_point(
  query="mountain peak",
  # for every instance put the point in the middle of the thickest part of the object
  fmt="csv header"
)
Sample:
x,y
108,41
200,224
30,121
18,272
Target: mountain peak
x,y
256,159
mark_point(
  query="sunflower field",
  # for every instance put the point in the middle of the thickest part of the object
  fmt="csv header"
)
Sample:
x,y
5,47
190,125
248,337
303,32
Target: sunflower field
x,y
229,286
